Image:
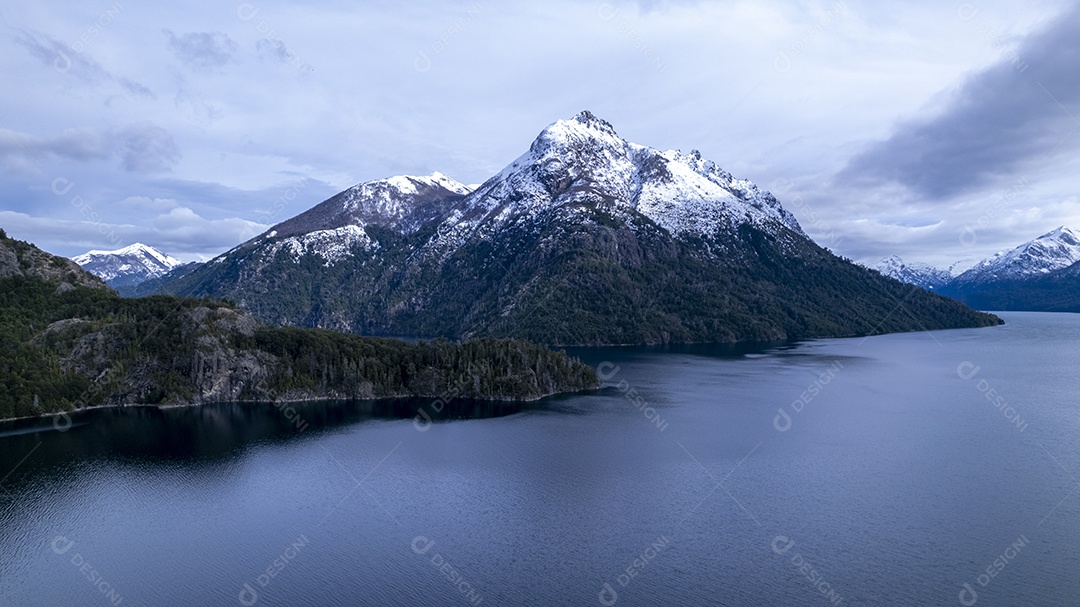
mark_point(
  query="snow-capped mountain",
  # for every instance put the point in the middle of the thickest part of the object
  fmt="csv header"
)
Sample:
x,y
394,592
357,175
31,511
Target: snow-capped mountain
x,y
128,266
584,239
1039,275
915,273
1047,253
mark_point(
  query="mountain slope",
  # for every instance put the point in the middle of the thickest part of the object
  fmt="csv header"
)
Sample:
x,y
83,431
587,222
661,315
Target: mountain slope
x,y
916,273
69,345
584,239
129,266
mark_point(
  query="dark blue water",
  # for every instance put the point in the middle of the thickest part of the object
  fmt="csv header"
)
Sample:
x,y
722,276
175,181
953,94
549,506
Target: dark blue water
x,y
895,481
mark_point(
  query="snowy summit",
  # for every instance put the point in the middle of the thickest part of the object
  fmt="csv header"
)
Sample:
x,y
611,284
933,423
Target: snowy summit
x,y
128,266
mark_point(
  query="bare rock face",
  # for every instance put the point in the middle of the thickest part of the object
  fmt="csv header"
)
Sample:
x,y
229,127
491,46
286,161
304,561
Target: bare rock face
x,y
9,261
220,371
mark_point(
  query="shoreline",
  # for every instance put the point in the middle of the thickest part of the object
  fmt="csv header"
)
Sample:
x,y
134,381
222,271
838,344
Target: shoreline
x,y
287,401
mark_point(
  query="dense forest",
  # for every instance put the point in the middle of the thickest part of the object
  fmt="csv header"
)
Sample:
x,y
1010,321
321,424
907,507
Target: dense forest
x,y
65,347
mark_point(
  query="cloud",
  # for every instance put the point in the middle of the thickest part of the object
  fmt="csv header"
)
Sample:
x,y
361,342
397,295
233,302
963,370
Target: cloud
x,y
142,147
277,49
202,49
47,232
145,202
195,108
183,227
1002,120
75,144
66,60
145,148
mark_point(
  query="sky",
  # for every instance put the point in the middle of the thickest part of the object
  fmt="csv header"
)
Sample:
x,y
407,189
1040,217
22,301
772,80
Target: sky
x,y
938,131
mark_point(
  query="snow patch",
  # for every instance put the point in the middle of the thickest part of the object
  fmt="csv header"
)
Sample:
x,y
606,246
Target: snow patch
x,y
331,245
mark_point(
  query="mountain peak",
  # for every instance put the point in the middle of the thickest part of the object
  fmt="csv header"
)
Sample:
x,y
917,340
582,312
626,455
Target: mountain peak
x,y
585,128
407,184
1064,232
593,121
582,162
137,250
402,203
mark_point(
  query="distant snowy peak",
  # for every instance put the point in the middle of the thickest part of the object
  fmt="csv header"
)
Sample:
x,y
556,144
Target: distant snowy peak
x,y
128,266
583,161
916,273
1051,251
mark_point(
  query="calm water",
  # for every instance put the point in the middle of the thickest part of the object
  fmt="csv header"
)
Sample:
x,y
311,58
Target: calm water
x,y
895,482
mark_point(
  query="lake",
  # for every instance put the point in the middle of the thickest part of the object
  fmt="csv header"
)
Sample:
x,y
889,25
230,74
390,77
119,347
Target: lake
x,y
916,469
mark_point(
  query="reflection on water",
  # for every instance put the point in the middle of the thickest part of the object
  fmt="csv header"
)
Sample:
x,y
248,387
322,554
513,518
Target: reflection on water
x,y
217,429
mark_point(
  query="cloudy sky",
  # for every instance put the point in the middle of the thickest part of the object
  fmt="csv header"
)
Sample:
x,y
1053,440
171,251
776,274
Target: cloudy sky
x,y
939,131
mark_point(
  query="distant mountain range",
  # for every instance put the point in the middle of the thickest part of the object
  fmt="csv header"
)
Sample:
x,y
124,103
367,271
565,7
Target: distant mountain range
x,y
1041,275
584,239
917,273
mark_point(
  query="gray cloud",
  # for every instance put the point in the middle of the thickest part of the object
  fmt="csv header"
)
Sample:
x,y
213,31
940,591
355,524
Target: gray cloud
x,y
1002,120
145,147
65,59
202,49
73,144
142,147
